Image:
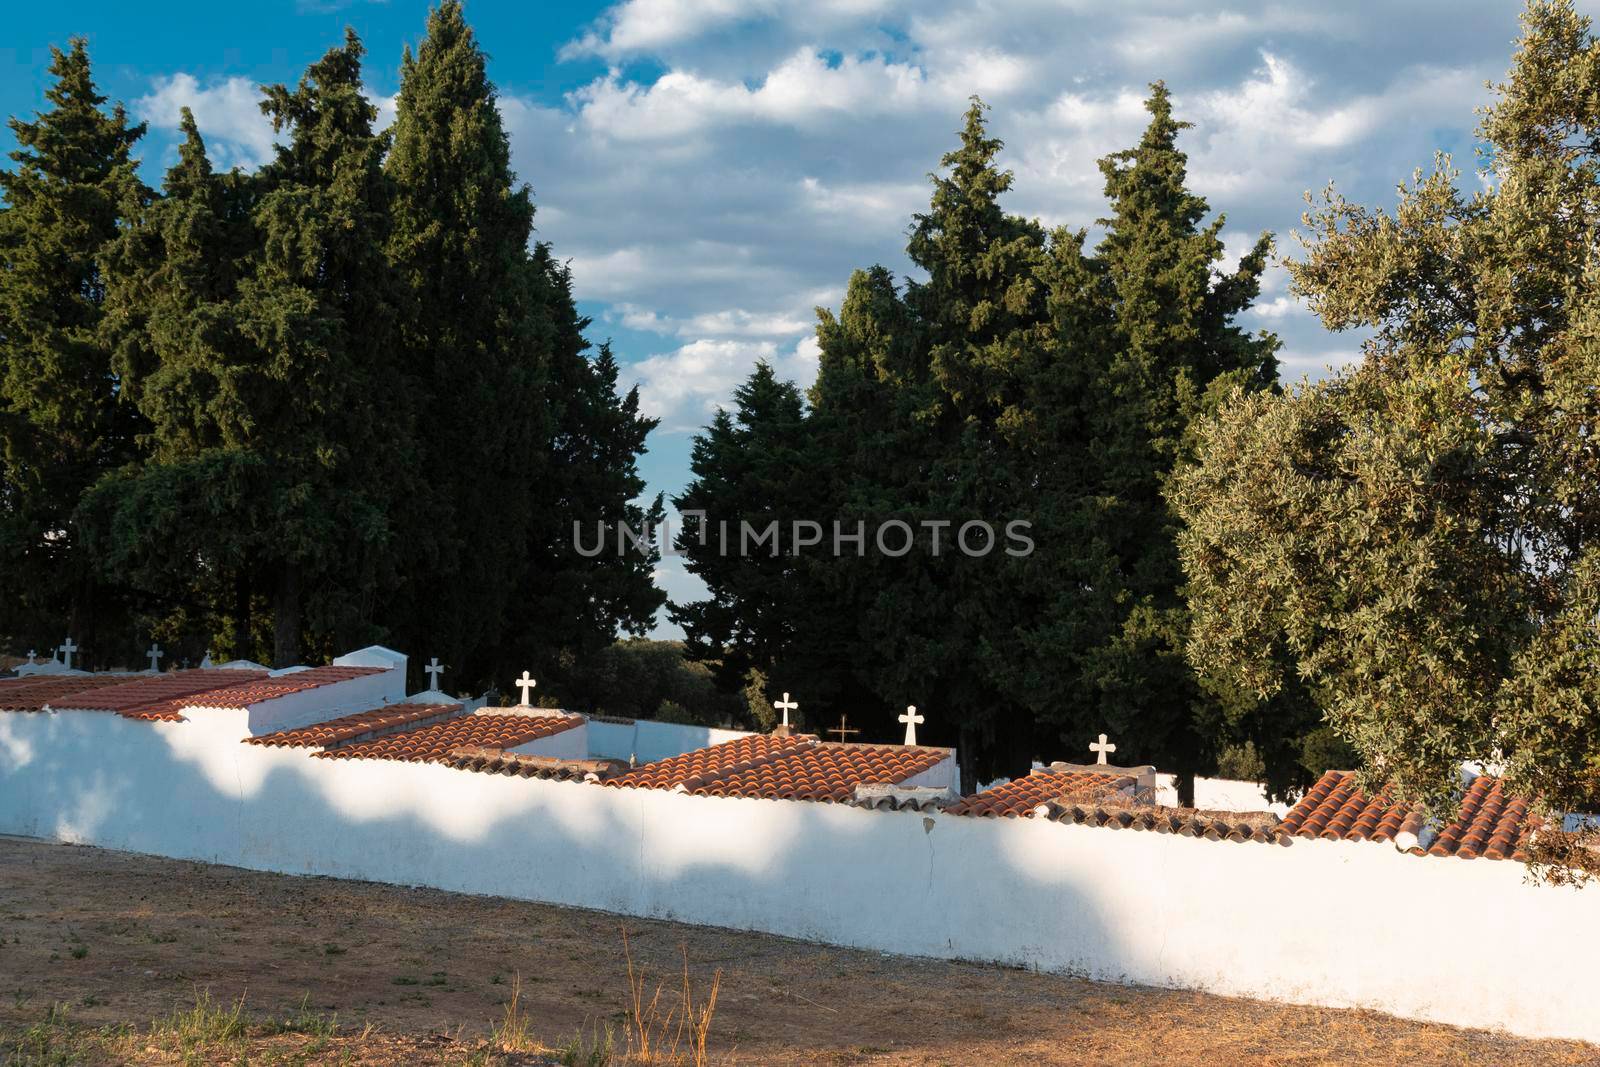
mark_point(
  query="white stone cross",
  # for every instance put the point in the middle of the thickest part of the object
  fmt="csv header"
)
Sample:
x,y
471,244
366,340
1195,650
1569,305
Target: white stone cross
x,y
1102,746
786,706
433,670
526,683
31,654
154,656
67,650
911,718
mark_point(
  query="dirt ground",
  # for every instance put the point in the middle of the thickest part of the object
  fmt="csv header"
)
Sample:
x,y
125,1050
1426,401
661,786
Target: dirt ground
x,y
104,954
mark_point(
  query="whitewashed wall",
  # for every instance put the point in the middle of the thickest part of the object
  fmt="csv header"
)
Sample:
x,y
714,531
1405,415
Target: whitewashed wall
x,y
1338,924
1219,794
647,740
571,743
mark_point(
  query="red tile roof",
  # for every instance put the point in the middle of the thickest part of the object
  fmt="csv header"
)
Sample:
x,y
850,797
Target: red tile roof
x,y
1021,795
252,687
153,695
257,687
435,743
703,762
33,692
519,765
358,727
1489,822
822,771
1259,826
783,768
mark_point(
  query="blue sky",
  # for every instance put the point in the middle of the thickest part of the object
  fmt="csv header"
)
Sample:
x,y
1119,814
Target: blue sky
x,y
715,169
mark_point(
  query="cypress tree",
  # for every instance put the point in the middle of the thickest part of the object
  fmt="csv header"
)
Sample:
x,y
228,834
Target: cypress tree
x,y
1026,378
1176,350
173,316
62,421
475,350
569,605
745,467
331,418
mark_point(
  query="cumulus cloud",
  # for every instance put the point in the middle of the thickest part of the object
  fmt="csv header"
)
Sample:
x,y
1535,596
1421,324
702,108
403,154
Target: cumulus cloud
x,y
684,388
739,159
228,113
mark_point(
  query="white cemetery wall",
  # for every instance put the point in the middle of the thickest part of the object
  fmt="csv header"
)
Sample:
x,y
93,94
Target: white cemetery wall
x,y
649,741
571,743
1327,923
1219,794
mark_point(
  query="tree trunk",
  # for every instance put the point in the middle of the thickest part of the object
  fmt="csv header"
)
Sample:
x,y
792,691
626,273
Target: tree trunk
x,y
967,760
286,617
1184,782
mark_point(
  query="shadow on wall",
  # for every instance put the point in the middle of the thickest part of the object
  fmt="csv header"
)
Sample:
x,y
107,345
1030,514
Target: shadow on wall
x,y
895,881
1295,923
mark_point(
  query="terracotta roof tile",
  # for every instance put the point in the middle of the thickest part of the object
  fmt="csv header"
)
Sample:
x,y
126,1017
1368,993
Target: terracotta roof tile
x,y
1489,822
358,727
819,771
436,742
246,687
35,691
154,695
783,768
1020,796
258,687
676,770
494,761
1263,827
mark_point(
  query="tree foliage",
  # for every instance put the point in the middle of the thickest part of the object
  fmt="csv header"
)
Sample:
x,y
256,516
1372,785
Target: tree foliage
x,y
61,423
1024,376
335,400
1416,541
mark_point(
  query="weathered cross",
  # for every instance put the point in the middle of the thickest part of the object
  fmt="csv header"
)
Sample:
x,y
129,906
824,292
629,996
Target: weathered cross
x,y
67,650
786,706
911,718
526,684
842,730
1102,746
154,655
31,654
433,670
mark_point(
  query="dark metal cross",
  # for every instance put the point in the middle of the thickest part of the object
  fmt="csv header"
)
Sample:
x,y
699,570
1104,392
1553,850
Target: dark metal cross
x,y
842,730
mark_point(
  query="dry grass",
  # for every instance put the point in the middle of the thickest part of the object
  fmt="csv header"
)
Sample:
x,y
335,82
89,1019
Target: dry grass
x,y
514,1032
183,962
687,1023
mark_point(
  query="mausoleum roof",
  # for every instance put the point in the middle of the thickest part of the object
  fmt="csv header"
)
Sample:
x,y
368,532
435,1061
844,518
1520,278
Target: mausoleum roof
x,y
784,768
359,726
1020,796
435,743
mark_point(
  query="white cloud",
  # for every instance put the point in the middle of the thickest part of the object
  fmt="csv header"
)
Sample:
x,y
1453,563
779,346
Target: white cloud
x,y
803,90
732,322
228,113
684,388
641,26
1276,308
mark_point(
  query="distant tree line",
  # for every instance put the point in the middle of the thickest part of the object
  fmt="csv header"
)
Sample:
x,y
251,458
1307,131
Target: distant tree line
x,y
340,399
